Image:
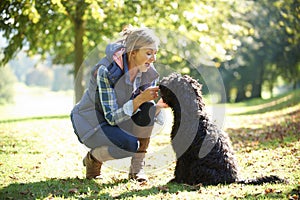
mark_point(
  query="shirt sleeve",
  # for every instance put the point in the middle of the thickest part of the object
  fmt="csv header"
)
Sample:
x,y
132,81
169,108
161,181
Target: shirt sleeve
x,y
112,112
159,118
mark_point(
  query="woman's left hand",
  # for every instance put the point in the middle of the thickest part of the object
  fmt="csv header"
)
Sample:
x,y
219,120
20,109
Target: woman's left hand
x,y
149,94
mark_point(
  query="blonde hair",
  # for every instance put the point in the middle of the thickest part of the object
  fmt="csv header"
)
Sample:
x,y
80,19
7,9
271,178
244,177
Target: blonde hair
x,y
136,38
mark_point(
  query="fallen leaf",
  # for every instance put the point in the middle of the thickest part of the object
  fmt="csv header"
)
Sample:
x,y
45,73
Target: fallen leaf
x,y
163,188
13,177
25,192
143,183
268,190
73,191
294,197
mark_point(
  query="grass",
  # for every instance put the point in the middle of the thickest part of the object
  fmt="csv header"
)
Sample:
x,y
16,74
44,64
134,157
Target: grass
x,y
40,158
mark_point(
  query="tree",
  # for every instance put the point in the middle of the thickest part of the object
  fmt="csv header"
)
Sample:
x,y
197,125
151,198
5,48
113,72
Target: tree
x,y
68,30
64,29
288,24
277,33
41,76
268,46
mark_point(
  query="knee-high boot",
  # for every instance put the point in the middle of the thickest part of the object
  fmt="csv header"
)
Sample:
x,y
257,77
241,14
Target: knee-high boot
x,y
138,161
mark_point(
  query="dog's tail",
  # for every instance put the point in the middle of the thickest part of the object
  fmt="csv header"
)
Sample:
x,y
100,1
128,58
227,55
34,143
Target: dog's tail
x,y
261,180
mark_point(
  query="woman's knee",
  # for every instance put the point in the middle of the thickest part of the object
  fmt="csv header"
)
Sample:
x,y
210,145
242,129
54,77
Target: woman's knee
x,y
131,145
121,138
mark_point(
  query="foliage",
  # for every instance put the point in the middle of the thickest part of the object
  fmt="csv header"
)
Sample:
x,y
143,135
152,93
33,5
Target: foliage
x,y
68,30
56,78
254,41
41,76
62,80
7,80
268,50
41,159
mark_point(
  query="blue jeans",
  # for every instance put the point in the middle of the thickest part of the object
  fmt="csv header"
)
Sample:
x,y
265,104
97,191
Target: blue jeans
x,y
122,142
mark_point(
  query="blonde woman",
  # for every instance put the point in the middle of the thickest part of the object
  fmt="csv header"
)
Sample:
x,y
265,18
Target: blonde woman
x,y
116,114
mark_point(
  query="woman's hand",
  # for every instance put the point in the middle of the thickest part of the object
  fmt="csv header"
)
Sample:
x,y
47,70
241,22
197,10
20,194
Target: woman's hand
x,y
149,94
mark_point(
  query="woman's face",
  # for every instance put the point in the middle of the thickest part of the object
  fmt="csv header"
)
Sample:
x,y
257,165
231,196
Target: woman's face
x,y
143,57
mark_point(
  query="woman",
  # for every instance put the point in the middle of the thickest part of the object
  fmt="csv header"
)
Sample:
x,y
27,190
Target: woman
x,y
116,114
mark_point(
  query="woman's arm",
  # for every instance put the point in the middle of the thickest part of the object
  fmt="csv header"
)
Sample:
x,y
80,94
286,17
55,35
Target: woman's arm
x,y
112,113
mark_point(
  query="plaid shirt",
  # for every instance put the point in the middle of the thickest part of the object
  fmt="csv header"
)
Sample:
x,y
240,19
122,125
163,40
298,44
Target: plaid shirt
x,y
112,112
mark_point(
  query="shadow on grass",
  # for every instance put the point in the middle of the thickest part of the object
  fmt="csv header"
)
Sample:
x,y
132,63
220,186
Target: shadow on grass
x,y
66,188
75,188
82,189
174,188
170,188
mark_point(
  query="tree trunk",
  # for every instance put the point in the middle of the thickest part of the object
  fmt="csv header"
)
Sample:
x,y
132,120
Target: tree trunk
x,y
78,70
295,83
256,88
241,94
271,86
257,83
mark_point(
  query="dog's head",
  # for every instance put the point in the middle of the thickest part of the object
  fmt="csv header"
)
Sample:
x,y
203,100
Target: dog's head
x,y
184,91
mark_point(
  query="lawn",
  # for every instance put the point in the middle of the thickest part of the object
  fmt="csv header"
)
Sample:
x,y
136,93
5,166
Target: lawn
x,y
40,158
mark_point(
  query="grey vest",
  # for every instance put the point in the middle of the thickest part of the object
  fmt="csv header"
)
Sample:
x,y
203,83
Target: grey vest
x,y
87,115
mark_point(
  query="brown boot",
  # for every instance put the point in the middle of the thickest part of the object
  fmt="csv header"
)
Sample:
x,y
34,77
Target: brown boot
x,y
93,166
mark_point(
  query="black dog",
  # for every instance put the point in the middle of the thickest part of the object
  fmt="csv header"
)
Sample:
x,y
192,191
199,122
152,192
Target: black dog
x,y
203,151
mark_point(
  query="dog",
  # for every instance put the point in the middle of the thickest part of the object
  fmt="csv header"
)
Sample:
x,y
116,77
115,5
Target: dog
x,y
204,152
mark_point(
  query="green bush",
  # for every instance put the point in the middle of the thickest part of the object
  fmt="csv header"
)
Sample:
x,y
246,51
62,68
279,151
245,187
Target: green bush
x,y
62,80
7,80
41,76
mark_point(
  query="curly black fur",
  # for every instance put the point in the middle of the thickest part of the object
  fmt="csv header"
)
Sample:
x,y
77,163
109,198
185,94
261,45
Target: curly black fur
x,y
204,152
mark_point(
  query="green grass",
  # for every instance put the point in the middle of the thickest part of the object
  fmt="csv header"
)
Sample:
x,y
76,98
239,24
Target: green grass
x,y
40,158
259,106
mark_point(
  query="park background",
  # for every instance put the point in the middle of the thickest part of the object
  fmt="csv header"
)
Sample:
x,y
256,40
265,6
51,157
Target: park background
x,y
245,53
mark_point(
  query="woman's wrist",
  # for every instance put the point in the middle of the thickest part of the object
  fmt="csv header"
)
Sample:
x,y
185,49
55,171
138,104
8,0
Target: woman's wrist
x,y
137,102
